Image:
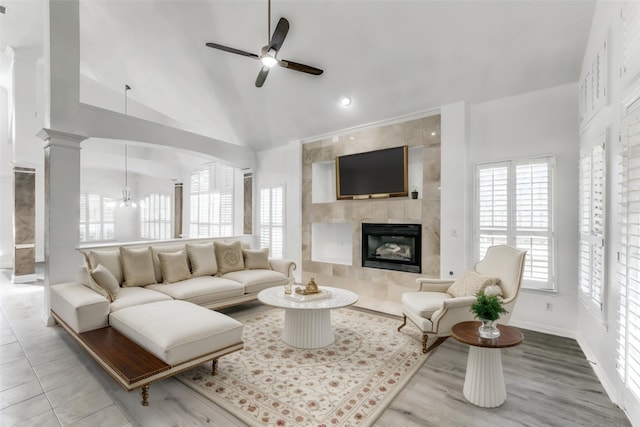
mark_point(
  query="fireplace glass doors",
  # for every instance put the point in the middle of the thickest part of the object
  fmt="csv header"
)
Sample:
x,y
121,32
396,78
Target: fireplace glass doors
x,y
392,246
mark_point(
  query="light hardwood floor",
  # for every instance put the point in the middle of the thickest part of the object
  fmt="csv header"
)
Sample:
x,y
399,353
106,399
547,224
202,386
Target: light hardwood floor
x,y
46,379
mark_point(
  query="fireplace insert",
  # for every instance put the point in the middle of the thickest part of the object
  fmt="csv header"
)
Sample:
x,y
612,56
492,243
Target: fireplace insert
x,y
392,246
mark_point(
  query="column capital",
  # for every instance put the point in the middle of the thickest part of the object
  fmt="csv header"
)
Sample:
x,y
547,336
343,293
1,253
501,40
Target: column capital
x,y
60,138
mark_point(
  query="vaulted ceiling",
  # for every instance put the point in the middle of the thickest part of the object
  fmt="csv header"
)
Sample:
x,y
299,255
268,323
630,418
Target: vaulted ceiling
x,y
392,58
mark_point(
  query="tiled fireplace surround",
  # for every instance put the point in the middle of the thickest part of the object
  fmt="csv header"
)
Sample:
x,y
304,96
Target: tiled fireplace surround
x,y
378,289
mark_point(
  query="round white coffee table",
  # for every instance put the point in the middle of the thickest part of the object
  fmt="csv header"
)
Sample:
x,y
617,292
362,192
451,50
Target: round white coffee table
x,y
308,324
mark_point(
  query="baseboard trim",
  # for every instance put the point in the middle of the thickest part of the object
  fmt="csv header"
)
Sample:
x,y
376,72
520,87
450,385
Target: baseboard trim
x,y
545,329
604,379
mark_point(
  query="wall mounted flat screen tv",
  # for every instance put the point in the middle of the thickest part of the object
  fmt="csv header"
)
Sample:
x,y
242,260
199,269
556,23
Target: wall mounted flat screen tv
x,y
379,173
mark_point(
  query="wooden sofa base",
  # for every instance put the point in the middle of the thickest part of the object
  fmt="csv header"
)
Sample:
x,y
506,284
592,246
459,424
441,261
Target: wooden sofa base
x,y
130,365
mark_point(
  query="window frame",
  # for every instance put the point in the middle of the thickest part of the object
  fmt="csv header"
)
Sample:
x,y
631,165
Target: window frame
x,y
219,191
268,224
511,230
165,203
591,237
105,202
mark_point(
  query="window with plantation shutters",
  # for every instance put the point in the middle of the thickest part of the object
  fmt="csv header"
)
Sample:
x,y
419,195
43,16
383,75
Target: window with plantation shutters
x,y
96,218
628,265
211,201
155,217
592,227
513,205
271,220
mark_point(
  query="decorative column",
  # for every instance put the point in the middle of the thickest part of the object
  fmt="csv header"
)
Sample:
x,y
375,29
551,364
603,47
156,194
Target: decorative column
x,y
177,210
248,203
62,209
24,225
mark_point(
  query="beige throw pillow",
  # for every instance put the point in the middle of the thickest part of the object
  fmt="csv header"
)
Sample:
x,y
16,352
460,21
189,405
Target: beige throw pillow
x,y
155,250
470,283
256,259
137,264
229,257
202,258
102,281
110,259
175,266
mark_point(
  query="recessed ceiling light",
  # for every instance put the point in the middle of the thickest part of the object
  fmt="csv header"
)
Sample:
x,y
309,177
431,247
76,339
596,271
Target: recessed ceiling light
x,y
345,101
433,134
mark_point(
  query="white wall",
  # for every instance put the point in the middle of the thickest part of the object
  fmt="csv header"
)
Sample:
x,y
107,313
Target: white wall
x,y
454,180
537,123
596,336
283,165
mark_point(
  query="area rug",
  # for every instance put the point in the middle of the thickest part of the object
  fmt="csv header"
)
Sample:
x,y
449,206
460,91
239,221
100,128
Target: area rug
x,y
348,383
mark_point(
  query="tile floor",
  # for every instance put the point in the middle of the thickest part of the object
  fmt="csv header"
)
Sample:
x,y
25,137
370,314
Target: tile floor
x,y
43,381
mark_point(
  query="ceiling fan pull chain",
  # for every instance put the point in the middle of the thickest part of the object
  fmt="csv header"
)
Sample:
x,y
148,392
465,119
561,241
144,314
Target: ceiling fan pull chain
x,y
269,23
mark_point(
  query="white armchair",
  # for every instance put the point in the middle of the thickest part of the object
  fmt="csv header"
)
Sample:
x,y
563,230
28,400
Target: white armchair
x,y
434,311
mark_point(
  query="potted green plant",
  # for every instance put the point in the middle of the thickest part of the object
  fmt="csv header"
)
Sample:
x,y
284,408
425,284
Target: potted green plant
x,y
414,192
488,309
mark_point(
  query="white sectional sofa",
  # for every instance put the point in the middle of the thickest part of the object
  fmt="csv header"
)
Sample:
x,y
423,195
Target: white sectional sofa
x,y
213,283
152,297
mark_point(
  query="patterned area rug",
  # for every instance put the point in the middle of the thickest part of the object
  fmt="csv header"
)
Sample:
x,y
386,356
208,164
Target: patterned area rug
x,y
348,383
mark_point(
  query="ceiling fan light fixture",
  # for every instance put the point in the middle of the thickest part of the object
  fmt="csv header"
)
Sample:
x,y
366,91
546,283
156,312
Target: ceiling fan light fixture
x,y
268,60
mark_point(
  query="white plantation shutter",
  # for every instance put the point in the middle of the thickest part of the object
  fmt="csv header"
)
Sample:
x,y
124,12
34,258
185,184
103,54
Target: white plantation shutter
x,y
592,227
630,16
155,217
628,265
513,205
271,220
96,218
211,200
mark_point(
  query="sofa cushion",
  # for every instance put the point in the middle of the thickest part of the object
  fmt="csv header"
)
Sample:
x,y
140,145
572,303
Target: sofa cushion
x,y
79,307
256,280
470,283
110,259
256,258
424,304
155,250
229,257
190,331
135,296
201,290
138,266
174,266
102,281
202,258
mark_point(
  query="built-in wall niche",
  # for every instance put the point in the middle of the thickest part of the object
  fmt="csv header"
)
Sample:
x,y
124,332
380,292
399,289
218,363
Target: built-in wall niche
x,y
323,177
332,242
323,182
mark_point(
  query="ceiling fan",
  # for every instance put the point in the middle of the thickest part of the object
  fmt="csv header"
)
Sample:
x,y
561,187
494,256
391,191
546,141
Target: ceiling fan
x,y
268,53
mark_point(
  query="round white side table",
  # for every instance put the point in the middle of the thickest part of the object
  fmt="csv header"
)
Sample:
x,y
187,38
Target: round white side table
x,y
484,379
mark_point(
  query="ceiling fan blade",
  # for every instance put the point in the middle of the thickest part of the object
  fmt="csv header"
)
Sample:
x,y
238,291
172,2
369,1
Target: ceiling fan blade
x,y
279,34
232,50
300,67
262,76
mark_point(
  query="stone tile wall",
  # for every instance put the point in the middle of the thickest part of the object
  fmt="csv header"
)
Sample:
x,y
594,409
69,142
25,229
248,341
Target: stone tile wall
x,y
375,284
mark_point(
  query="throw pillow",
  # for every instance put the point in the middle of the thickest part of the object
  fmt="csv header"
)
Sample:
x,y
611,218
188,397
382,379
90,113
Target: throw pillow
x,y
137,264
203,259
256,259
470,283
107,285
110,259
175,266
229,257
155,250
